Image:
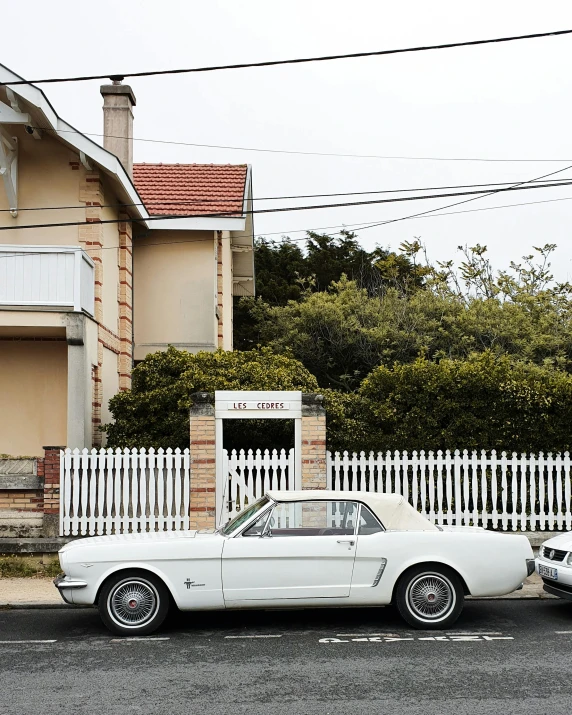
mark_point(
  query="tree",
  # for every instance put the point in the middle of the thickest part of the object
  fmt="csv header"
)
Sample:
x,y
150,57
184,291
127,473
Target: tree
x,y
285,272
155,411
341,334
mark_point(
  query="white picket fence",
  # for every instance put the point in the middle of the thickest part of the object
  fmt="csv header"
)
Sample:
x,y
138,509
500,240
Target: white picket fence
x,y
502,491
124,490
120,491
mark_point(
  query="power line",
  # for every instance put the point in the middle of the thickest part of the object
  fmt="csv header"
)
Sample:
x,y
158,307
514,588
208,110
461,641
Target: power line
x,y
355,226
458,203
191,202
523,185
302,153
234,214
300,60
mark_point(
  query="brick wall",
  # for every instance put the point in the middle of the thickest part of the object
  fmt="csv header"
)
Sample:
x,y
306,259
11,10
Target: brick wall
x,y
125,298
203,462
13,500
220,290
313,443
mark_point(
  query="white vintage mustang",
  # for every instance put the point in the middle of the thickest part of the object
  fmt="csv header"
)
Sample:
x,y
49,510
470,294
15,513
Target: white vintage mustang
x,y
296,548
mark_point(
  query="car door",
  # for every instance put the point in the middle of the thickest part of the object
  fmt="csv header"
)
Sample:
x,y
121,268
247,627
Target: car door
x,y
301,550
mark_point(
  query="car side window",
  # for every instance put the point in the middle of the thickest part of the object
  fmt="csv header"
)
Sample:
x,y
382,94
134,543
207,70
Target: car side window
x,y
368,523
257,528
313,518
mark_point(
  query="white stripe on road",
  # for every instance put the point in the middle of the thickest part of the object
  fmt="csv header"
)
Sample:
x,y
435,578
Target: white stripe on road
x,y
563,633
269,636
30,641
135,638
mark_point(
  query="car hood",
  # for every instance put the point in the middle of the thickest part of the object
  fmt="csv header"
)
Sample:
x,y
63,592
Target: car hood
x,y
562,541
153,536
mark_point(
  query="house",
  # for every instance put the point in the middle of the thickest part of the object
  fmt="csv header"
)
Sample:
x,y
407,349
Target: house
x,y
103,261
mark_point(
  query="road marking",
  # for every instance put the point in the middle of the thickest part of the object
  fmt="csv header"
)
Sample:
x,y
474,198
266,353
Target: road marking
x,y
367,635
563,633
30,641
440,639
268,636
140,638
476,633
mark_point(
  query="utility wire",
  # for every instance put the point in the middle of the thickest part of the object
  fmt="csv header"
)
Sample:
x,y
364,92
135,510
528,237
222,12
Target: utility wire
x,y
516,187
191,202
299,60
344,227
301,153
356,226
236,214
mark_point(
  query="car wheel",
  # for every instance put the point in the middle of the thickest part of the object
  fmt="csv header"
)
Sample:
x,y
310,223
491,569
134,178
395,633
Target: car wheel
x,y
133,603
430,597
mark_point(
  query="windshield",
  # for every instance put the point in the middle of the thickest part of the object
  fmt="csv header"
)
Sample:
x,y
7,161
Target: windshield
x,y
244,515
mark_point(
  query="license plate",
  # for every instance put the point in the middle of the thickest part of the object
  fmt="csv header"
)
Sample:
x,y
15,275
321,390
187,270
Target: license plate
x,y
548,572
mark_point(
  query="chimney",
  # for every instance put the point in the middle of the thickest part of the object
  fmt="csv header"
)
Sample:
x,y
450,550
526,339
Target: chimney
x,y
118,103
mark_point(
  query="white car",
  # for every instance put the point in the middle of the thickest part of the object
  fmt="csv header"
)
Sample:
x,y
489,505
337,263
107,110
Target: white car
x,y
554,565
296,549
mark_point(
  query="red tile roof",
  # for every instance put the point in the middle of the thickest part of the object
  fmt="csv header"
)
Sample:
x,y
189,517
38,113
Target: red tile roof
x,y
183,189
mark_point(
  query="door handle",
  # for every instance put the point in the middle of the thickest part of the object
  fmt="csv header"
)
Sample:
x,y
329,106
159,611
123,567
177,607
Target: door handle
x,y
351,542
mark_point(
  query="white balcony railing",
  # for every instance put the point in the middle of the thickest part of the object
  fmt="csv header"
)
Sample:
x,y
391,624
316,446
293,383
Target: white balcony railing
x,y
47,276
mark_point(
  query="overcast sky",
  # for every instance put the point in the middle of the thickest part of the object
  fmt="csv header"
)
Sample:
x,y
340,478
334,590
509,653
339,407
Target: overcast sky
x,y
510,101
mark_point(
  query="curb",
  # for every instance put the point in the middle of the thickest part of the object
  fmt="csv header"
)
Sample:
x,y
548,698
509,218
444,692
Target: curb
x,y
19,606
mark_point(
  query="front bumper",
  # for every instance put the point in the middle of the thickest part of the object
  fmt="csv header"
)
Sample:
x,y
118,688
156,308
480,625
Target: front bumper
x,y
558,590
63,583
562,586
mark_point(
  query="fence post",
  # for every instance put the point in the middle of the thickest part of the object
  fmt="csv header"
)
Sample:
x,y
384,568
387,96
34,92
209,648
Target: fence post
x,y
203,461
314,469
51,519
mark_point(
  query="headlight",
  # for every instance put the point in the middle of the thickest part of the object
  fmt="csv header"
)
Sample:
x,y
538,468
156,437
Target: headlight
x,y
569,559
540,551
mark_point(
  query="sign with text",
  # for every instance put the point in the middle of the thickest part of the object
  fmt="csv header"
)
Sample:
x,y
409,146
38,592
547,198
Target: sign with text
x,y
259,405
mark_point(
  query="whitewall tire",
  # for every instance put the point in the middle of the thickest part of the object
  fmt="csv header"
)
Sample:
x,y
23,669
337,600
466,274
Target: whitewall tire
x,y
133,603
430,597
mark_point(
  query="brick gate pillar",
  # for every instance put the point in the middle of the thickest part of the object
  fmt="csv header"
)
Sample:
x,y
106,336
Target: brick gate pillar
x,y
313,442
203,461
51,465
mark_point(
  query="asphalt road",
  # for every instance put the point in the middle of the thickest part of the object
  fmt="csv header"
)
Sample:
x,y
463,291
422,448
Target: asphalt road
x,y
501,657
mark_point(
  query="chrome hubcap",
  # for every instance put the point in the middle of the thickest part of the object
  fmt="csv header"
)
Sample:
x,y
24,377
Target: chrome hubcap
x,y
430,597
133,602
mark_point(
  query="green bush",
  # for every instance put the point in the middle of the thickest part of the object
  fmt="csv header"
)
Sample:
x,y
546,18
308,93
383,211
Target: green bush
x,y
482,402
155,412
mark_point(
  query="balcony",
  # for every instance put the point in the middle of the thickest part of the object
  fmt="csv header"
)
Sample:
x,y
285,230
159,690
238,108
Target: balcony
x,y
55,277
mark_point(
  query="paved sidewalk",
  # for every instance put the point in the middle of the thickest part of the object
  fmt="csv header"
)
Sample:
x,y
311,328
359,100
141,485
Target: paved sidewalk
x,y
41,593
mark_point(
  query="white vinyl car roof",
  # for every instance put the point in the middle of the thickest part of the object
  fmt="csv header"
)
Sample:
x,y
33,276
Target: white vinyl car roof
x,y
393,510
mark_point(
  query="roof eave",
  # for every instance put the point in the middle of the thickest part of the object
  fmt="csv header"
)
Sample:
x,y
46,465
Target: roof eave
x,y
68,134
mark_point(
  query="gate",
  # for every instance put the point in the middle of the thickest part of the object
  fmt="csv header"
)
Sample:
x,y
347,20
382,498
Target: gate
x,y
248,475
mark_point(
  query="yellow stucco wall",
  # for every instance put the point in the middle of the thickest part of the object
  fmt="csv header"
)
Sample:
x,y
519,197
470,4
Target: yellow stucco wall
x,y
33,396
45,178
174,291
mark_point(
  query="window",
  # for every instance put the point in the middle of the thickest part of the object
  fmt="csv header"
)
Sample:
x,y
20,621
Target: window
x,y
313,518
368,523
257,529
244,516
